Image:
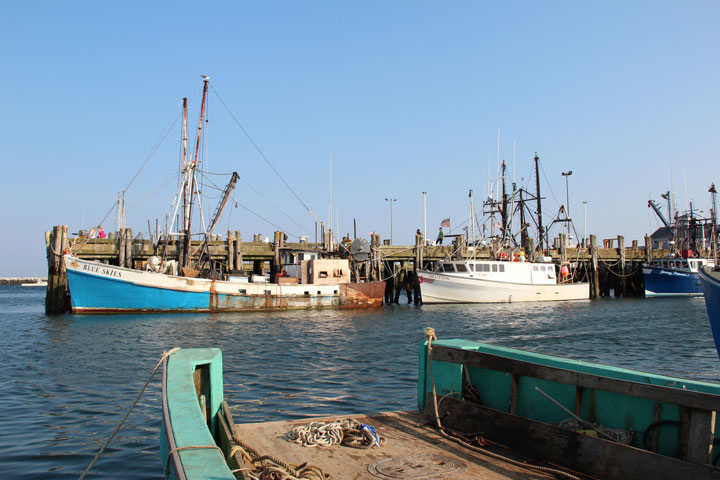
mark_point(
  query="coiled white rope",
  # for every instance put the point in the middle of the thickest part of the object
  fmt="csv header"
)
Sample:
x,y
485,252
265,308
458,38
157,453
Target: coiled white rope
x,y
348,431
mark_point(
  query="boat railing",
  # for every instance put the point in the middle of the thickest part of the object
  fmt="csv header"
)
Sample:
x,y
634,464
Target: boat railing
x,y
695,410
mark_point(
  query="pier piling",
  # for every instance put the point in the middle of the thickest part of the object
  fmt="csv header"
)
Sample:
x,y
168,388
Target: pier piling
x,y
56,298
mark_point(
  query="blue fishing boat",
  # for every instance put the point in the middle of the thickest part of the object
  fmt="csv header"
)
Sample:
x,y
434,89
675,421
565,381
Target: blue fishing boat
x,y
484,412
691,240
180,277
710,280
100,288
674,276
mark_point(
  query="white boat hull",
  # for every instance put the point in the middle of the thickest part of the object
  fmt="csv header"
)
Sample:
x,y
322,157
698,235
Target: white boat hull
x,y
447,288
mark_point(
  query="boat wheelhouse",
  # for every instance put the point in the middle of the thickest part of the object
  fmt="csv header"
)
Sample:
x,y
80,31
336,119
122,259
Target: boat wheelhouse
x,y
509,272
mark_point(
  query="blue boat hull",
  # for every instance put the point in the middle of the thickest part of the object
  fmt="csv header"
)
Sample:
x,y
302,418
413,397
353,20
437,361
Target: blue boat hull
x,y
670,282
711,290
93,294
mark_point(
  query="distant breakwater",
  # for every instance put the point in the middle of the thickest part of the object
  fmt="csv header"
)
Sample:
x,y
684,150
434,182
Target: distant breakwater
x,y
21,280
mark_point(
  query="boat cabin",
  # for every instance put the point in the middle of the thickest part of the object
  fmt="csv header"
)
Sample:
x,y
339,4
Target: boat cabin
x,y
684,264
509,272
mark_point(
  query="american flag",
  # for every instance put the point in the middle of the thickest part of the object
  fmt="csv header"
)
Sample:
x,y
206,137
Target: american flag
x,y
445,223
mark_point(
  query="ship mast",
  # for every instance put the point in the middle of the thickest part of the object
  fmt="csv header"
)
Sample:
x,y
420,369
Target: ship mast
x,y
186,190
192,176
541,230
503,211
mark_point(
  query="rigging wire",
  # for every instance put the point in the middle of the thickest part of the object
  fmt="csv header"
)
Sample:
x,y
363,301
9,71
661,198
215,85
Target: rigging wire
x,y
151,193
304,229
265,219
263,155
161,139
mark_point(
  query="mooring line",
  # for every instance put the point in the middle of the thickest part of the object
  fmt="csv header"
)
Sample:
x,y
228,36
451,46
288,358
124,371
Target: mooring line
x,y
117,428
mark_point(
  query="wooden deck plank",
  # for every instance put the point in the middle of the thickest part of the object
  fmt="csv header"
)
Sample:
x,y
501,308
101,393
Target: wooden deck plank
x,y
406,434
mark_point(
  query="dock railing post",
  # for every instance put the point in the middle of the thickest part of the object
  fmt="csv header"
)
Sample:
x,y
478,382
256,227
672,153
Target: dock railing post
x,y
122,238
238,251
419,253
129,248
594,274
375,256
648,249
276,265
230,251
621,252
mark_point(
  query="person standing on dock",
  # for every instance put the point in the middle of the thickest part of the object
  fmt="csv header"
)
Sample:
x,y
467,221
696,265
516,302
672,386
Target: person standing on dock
x,y
440,237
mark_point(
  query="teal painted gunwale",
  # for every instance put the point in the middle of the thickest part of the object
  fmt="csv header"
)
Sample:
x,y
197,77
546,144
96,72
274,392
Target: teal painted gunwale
x,y
187,424
607,408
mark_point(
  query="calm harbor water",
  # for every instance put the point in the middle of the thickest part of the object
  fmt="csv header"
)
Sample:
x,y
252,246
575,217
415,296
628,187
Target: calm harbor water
x,y
67,380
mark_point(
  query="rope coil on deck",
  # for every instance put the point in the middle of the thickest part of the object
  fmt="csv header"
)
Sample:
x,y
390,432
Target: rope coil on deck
x,y
348,432
267,467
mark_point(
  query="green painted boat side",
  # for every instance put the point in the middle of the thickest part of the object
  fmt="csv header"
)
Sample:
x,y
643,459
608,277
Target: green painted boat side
x,y
614,410
184,427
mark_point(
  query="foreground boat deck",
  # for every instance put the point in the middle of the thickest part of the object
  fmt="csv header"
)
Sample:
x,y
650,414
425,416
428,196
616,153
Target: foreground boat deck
x,y
412,449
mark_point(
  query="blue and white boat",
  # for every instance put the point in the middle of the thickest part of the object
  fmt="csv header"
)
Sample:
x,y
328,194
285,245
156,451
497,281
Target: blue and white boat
x,y
100,288
710,281
204,286
674,276
690,239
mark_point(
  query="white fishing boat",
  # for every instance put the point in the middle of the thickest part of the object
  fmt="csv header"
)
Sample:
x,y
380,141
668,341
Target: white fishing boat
x,y
509,278
484,281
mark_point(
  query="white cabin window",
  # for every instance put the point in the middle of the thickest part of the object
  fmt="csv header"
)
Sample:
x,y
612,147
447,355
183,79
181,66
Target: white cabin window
x,y
460,267
502,267
494,267
471,267
535,268
447,268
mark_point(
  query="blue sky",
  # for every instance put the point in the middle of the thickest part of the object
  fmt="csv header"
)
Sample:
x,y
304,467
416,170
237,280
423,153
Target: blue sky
x,y
408,96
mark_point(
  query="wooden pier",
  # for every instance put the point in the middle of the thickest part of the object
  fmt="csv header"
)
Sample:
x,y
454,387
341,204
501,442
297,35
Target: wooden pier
x,y
610,266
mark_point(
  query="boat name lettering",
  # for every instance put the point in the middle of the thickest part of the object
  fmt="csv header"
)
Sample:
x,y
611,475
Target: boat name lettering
x,y
435,276
102,270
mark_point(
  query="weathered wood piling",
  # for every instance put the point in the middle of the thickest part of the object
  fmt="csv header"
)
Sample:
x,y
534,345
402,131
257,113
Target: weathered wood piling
x,y
56,298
